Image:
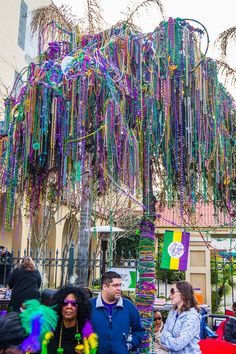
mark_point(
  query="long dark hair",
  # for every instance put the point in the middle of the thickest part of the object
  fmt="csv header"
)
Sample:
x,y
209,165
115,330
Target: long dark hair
x,y
83,308
187,294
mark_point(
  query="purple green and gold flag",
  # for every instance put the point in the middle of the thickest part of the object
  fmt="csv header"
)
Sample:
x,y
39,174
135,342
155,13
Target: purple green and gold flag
x,y
175,250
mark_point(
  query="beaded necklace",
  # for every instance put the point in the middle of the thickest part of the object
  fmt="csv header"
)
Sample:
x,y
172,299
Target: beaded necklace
x,y
79,348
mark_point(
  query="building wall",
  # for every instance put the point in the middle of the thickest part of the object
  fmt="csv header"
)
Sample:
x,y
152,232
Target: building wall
x,y
12,57
199,267
198,271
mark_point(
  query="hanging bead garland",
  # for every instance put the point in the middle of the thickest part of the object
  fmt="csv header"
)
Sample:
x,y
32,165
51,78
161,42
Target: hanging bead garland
x,y
119,96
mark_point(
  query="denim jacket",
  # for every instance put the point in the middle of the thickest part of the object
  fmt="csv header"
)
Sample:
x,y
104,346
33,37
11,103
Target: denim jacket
x,y
181,332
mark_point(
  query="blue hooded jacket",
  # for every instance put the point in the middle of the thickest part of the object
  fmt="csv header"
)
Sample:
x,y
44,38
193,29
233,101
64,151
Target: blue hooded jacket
x,y
181,333
124,326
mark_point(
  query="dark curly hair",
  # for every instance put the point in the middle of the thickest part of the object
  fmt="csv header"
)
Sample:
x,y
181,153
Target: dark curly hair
x,y
83,308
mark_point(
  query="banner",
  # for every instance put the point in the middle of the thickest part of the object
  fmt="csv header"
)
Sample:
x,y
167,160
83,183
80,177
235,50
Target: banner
x,y
129,277
175,250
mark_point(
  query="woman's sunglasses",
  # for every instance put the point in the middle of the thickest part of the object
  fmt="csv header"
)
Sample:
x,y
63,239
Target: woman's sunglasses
x,y
173,291
73,303
157,318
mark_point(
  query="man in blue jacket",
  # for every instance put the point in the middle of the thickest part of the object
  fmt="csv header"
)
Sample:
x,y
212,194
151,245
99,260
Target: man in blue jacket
x,y
115,319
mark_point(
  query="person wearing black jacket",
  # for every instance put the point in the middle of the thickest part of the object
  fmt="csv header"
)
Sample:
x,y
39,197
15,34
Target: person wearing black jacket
x,y
25,281
5,265
230,328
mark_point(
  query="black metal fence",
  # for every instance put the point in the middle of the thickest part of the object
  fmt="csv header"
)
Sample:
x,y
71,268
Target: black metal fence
x,y
57,270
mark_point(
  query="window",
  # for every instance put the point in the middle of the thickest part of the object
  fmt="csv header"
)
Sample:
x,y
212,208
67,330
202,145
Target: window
x,y
22,24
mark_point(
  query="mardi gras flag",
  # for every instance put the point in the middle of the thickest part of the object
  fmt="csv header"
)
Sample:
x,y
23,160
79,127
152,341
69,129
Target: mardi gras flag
x,y
175,250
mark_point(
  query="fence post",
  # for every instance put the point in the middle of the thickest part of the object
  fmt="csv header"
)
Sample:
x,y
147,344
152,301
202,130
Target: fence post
x,y
71,260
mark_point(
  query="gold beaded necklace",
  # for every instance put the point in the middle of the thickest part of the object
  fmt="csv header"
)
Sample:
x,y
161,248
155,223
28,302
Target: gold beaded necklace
x,y
79,348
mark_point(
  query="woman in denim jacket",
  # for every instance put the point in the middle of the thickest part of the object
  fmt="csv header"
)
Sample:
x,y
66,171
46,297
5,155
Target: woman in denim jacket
x,y
181,332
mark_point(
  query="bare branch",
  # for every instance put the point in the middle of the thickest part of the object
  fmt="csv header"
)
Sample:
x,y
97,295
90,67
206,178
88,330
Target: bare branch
x,y
224,39
142,5
68,215
94,15
228,72
130,26
6,88
44,15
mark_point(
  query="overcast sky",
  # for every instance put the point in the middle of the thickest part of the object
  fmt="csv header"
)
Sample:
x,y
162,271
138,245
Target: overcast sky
x,y
216,16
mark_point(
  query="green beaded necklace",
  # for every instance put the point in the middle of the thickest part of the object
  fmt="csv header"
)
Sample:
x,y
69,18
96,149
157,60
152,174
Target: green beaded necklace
x,y
79,348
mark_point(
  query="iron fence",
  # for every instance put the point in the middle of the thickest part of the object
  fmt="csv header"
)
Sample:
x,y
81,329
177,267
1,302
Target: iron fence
x,y
57,270
223,282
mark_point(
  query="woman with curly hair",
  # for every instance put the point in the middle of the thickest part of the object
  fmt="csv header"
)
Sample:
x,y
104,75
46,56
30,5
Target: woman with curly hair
x,y
74,332
181,332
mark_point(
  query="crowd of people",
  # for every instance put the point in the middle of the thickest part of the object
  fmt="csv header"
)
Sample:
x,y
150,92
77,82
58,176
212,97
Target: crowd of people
x,y
106,324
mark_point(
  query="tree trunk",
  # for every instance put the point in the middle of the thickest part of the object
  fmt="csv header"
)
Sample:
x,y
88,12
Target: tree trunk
x,y
147,285
146,289
84,230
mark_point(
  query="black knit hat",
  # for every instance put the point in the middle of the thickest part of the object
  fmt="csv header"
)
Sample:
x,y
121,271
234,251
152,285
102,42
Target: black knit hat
x,y
11,331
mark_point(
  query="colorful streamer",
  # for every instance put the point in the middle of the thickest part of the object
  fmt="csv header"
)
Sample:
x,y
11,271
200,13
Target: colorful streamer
x,y
122,104
116,96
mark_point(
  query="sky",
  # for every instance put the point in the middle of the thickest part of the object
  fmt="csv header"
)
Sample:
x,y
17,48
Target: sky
x,y
216,16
